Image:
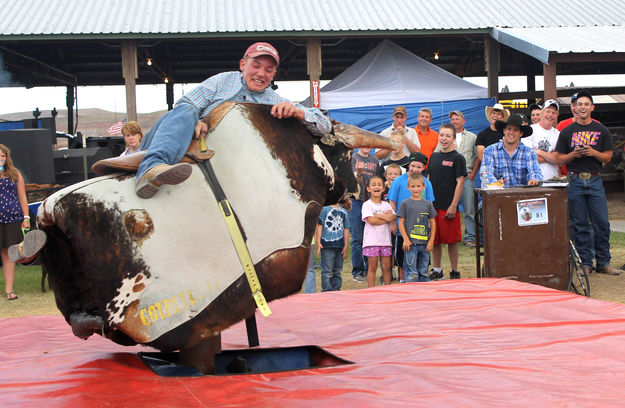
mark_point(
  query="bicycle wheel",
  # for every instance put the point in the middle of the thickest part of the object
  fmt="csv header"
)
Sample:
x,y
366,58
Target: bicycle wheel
x,y
579,278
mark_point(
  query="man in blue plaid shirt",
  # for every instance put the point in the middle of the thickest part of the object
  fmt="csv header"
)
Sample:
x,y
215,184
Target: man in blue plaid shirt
x,y
167,142
509,160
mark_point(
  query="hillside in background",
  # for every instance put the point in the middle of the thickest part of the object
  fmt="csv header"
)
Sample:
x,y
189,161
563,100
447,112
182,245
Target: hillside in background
x,y
91,122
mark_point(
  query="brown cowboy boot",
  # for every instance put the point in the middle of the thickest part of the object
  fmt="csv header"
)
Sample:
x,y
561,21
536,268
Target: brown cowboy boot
x,y
161,174
27,249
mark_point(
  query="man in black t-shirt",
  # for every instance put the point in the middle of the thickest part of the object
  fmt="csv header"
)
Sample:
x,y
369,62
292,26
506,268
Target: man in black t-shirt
x,y
585,146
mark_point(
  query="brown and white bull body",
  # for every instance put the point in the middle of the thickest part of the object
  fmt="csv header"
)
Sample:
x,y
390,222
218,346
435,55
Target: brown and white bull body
x,y
164,272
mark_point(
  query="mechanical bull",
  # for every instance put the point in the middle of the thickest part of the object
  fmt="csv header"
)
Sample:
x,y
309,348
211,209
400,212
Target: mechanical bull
x,y
164,272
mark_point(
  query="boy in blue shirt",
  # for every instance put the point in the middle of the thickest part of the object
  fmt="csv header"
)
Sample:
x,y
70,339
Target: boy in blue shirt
x,y
331,237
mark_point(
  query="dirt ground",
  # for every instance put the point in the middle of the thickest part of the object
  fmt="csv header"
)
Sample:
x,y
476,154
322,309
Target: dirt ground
x,y
612,288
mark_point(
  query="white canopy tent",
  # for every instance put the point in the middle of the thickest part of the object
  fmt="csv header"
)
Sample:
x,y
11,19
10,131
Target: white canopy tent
x,y
388,75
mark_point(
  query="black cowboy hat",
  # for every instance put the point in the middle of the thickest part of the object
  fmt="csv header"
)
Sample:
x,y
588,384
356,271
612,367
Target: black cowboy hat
x,y
515,120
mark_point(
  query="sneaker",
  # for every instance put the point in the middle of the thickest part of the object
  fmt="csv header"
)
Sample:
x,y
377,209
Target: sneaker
x,y
360,278
436,275
609,270
454,275
160,174
588,269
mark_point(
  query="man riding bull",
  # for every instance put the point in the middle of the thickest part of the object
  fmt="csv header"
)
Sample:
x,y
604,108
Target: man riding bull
x,y
167,142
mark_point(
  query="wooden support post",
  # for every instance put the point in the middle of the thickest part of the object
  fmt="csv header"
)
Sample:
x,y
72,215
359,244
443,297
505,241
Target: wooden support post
x,y
549,70
69,103
491,54
202,355
130,74
531,85
313,67
169,94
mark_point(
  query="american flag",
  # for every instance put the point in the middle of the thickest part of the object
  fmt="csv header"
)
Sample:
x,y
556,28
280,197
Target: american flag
x,y
116,128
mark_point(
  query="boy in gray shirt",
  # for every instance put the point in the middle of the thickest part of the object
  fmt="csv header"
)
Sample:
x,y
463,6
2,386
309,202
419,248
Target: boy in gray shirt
x,y
417,226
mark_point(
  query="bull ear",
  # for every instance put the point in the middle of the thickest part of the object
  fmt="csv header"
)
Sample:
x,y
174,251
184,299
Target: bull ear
x,y
329,139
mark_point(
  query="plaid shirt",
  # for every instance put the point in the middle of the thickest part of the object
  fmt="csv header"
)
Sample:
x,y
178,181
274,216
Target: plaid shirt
x,y
517,170
230,86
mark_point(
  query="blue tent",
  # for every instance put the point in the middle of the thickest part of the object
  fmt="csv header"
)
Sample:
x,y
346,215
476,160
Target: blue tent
x,y
366,93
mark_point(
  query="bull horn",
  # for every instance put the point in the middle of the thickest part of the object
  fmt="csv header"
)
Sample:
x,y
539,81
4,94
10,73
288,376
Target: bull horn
x,y
354,137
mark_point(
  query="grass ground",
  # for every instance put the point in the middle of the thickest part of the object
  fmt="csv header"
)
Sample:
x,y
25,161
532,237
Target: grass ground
x,y
612,288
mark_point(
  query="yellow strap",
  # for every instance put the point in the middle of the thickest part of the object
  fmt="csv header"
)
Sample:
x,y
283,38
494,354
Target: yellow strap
x,y
244,257
203,146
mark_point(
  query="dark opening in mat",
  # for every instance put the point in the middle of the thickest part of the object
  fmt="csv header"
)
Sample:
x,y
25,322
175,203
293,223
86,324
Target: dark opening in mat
x,y
246,361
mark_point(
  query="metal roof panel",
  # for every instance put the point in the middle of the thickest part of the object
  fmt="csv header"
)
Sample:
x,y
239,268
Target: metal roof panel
x,y
106,17
539,42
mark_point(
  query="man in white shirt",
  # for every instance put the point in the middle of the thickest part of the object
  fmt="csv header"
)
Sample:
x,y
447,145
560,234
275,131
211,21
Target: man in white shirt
x,y
544,138
412,144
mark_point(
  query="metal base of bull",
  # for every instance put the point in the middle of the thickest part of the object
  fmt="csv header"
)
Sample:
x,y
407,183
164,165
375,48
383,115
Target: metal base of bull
x,y
202,355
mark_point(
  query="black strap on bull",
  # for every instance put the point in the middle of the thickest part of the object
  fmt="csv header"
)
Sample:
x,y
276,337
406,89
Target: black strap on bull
x,y
236,236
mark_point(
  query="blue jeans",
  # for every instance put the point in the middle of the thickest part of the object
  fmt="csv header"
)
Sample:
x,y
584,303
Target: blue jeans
x,y
331,268
416,261
469,210
360,265
587,199
169,138
310,283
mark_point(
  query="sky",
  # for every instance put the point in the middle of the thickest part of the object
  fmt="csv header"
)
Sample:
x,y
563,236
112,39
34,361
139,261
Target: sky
x,y
151,98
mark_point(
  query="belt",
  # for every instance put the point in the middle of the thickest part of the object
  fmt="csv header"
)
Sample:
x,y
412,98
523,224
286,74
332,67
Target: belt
x,y
583,175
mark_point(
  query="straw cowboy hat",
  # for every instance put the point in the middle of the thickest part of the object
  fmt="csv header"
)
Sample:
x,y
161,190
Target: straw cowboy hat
x,y
498,106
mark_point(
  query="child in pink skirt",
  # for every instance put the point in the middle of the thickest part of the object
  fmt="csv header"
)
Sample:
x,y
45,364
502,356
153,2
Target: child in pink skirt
x,y
378,216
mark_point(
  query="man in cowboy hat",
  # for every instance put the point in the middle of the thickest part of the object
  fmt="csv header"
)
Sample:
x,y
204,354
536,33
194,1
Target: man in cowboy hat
x,y
490,135
167,142
510,160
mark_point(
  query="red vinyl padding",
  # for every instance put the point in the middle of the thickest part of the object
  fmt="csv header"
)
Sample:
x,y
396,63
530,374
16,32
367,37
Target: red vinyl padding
x,y
476,342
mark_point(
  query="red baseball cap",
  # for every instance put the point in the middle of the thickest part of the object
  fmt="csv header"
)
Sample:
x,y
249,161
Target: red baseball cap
x,y
262,48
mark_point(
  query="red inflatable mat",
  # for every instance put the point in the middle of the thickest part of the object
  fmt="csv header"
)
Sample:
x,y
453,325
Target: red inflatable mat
x,y
478,342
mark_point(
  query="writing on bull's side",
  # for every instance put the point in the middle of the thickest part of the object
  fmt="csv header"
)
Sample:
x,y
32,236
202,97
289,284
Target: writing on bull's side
x,y
167,307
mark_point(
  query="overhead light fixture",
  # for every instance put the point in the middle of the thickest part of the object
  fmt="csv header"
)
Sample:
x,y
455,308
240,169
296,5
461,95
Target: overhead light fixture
x,y
149,62
166,80
436,55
